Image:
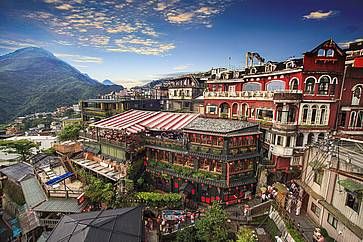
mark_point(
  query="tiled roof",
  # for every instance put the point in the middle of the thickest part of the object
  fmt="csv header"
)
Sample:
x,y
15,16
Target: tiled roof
x,y
135,121
114,225
217,125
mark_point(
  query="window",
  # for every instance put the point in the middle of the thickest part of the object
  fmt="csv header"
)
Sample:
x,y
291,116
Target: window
x,y
357,93
330,53
212,109
323,85
288,141
353,201
321,52
315,209
309,86
360,119
322,114
313,114
343,116
332,221
352,120
294,84
305,113
276,85
318,176
279,140
252,86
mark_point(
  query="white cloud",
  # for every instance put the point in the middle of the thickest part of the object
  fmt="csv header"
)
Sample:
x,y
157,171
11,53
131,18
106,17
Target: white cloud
x,y
319,14
180,18
80,58
64,6
182,67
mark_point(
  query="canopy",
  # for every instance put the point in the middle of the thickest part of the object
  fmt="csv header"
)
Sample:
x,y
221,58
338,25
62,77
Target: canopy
x,y
351,185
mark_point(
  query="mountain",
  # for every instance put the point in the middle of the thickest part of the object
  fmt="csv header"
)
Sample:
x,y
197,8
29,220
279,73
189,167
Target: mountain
x,y
34,80
108,83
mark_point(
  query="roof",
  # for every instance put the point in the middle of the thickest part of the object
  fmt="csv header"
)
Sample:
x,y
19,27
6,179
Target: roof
x,y
351,185
124,224
33,192
17,171
135,121
328,43
218,125
60,205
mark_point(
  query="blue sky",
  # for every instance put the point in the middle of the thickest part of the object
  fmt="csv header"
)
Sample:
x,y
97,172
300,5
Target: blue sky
x,y
132,41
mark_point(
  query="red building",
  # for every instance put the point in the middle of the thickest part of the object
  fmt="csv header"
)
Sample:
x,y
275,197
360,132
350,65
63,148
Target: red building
x,y
296,101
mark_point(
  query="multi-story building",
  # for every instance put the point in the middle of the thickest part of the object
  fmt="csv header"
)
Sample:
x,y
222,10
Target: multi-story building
x,y
295,101
333,184
207,159
97,109
185,93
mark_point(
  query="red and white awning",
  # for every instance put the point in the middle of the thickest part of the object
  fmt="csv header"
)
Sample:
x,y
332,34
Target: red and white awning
x,y
135,121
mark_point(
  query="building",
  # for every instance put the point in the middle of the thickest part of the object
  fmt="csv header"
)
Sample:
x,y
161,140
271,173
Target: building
x,y
123,224
333,183
296,101
207,159
96,109
184,92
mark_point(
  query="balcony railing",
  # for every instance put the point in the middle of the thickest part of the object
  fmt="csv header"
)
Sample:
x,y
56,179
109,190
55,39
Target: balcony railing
x,y
166,143
281,151
285,95
285,126
239,95
50,223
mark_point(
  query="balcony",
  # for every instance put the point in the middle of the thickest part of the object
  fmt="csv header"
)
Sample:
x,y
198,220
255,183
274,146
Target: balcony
x,y
285,126
165,143
244,95
281,151
288,96
50,223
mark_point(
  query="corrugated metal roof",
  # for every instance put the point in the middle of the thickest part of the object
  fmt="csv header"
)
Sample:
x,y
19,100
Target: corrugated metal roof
x,y
18,171
60,205
135,121
33,192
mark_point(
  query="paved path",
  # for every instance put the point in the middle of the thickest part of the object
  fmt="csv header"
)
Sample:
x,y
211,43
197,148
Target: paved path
x,y
307,226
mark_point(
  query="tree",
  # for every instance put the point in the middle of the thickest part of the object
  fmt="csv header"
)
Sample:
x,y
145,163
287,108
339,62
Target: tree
x,y
246,234
213,226
186,234
22,147
70,132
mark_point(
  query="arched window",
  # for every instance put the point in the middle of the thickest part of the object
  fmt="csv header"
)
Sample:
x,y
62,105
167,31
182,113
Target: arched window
x,y
314,110
309,85
323,113
352,119
275,85
294,84
321,52
244,110
360,119
305,111
330,53
323,85
357,93
279,114
253,70
252,86
291,115
334,82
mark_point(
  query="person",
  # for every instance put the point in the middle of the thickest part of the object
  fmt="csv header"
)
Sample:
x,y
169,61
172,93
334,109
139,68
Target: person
x,y
278,239
289,203
192,218
263,197
298,207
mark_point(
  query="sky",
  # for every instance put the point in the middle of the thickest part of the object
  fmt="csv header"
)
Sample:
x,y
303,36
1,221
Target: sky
x,y
132,42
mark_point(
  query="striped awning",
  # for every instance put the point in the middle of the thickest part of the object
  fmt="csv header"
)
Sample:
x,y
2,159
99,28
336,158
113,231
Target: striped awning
x,y
135,121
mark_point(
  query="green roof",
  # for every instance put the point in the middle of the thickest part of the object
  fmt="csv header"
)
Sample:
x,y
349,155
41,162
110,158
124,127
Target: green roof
x,y
33,192
351,185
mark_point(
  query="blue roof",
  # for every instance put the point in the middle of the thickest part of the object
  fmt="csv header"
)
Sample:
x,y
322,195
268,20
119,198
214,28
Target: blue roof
x,y
58,179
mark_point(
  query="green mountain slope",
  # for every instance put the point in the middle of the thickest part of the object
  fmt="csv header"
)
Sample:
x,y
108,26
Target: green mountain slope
x,y
34,80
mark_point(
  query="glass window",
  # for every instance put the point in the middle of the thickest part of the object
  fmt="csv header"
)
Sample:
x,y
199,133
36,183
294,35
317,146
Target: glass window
x,y
309,86
323,86
318,177
305,113
294,85
279,140
353,201
315,209
321,52
322,114
330,52
352,119
332,221
356,96
313,114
